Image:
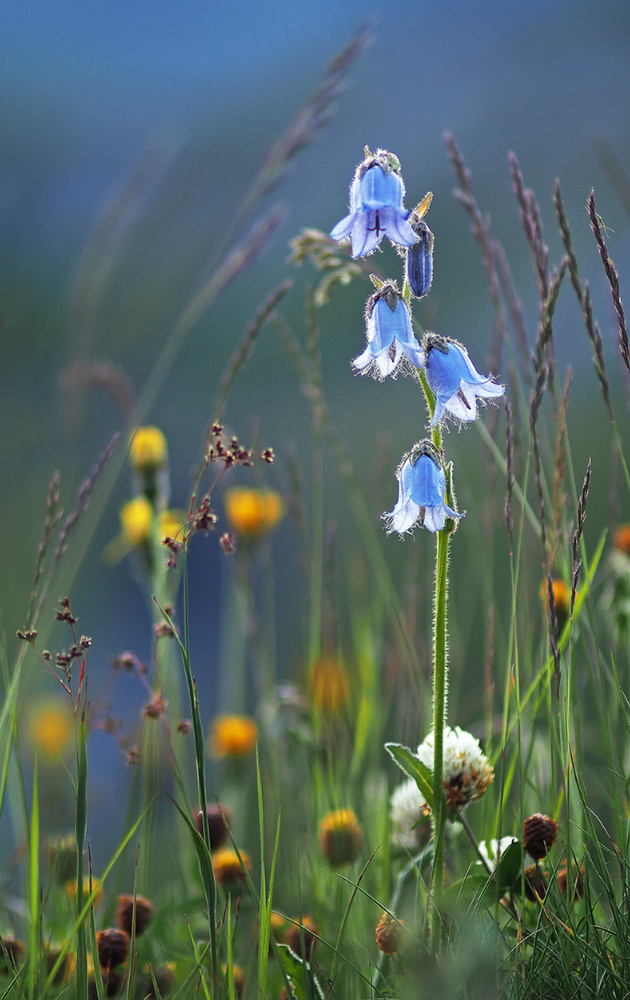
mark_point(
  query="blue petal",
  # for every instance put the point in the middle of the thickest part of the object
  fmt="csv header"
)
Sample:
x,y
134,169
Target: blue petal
x,y
426,482
343,228
379,190
397,229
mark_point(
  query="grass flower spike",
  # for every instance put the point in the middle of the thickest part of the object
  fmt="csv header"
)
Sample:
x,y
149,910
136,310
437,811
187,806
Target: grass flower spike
x,y
376,206
454,380
390,335
421,492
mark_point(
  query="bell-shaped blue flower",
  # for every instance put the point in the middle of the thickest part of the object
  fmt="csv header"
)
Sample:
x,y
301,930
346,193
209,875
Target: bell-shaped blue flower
x,y
391,340
454,379
376,206
421,492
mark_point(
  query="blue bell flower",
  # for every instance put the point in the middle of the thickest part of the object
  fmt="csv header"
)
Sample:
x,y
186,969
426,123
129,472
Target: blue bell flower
x,y
390,336
454,380
376,206
421,492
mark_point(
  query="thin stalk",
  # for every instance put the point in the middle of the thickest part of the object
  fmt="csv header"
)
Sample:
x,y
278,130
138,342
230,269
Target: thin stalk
x,y
439,714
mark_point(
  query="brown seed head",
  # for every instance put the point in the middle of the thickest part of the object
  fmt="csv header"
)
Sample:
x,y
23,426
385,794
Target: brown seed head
x,y
219,818
11,953
539,835
124,914
113,947
576,881
535,883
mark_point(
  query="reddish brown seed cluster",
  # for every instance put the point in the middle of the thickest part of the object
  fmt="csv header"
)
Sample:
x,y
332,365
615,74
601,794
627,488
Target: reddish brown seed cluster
x,y
539,835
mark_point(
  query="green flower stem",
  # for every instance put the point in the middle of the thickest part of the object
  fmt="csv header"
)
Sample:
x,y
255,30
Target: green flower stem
x,y
439,698
439,714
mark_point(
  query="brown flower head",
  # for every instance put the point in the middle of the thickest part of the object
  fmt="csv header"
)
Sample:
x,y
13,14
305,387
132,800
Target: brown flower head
x,y
124,914
219,819
113,947
539,834
535,883
576,882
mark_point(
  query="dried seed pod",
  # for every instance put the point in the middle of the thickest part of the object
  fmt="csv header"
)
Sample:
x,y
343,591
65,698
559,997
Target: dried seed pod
x,y
539,834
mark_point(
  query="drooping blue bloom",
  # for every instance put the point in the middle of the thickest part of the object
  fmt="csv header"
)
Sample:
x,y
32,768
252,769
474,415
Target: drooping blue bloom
x,y
420,258
455,381
376,206
390,335
421,492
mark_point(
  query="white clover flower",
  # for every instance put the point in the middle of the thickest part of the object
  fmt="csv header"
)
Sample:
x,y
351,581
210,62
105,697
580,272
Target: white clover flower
x,y
467,770
493,849
408,806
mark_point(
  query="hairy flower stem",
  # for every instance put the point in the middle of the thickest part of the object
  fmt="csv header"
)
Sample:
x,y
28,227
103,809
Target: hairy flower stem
x,y
439,714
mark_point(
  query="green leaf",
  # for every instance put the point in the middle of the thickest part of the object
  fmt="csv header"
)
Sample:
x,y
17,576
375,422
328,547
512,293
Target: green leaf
x,y
409,763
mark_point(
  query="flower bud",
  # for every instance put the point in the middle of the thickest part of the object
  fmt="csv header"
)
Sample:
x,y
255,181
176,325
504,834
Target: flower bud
x,y
420,259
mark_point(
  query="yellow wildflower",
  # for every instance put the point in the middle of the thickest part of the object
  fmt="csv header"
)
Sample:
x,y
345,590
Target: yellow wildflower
x,y
50,726
136,518
253,513
228,868
233,736
330,688
340,837
148,450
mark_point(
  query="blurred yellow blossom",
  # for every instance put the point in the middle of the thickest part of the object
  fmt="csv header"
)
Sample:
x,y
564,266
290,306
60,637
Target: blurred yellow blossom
x,y
135,518
329,684
233,736
50,725
149,450
253,512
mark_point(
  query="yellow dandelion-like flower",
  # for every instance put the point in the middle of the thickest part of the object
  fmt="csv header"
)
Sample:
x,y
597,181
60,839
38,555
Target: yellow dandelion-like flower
x,y
561,599
97,889
148,451
50,727
340,837
329,685
233,736
136,518
227,867
253,513
171,523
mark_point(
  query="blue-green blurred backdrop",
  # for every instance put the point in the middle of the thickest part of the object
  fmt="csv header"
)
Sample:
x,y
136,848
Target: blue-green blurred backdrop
x,y
88,89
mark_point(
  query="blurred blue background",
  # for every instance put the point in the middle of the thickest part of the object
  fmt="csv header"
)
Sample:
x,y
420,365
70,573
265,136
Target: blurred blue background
x,y
200,91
